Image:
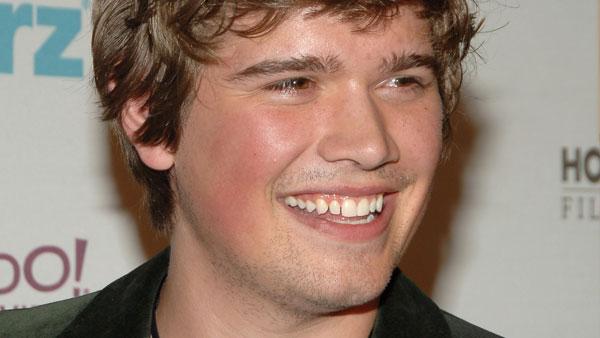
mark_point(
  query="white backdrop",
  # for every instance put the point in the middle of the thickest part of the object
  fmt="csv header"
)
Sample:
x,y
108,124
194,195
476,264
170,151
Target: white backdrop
x,y
512,239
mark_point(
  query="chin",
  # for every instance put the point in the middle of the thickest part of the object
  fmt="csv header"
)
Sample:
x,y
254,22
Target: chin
x,y
349,289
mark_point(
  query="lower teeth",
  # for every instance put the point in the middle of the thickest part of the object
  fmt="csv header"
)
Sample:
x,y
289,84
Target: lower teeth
x,y
369,219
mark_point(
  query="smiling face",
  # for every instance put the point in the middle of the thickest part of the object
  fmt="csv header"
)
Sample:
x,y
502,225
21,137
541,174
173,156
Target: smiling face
x,y
306,160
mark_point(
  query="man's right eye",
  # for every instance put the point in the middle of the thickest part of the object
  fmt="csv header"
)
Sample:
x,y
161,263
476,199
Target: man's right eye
x,y
291,86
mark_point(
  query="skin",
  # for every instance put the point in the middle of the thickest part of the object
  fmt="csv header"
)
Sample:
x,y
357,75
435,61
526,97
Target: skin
x,y
242,264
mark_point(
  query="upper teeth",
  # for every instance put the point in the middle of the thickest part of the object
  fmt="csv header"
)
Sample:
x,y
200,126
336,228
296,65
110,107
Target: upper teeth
x,y
346,206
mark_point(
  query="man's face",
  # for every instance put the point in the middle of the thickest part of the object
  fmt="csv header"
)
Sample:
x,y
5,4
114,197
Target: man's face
x,y
306,161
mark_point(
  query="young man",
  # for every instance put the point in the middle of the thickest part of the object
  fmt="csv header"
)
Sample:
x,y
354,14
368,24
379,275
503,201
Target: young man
x,y
288,149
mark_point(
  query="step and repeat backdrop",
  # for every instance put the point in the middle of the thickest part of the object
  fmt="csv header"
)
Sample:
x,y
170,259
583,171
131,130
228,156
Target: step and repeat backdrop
x,y
512,238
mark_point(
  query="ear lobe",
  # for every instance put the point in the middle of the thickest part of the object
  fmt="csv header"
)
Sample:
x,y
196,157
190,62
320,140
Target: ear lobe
x,y
157,157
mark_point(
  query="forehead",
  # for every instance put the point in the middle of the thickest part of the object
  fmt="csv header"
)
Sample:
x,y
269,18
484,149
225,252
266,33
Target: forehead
x,y
328,35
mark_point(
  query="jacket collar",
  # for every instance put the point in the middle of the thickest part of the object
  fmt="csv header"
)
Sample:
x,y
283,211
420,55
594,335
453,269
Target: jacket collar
x,y
124,308
404,311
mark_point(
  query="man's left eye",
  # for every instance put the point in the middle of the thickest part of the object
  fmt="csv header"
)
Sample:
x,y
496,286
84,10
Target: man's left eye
x,y
401,88
291,86
403,82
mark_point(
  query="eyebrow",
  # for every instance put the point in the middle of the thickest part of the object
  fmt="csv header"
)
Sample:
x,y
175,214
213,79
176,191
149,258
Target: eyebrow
x,y
397,63
329,64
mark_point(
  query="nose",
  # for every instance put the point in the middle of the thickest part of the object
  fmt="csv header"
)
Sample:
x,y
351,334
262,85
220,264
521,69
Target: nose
x,y
356,131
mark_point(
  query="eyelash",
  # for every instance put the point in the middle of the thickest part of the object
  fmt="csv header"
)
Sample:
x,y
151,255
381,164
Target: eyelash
x,y
290,86
406,82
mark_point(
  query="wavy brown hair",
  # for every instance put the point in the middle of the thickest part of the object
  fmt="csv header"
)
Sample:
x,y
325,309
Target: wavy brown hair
x,y
153,50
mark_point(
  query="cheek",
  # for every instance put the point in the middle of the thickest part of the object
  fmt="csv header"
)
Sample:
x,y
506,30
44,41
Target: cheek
x,y
236,155
418,133
254,147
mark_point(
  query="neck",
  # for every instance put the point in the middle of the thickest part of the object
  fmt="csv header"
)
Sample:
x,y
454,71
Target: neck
x,y
197,300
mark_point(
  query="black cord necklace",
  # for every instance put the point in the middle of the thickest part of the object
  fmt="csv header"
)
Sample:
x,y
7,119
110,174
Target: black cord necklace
x,y
154,326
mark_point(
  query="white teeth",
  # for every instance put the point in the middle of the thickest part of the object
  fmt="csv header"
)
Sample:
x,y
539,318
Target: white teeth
x,y
362,209
301,204
369,219
291,201
310,206
379,202
321,206
349,208
334,207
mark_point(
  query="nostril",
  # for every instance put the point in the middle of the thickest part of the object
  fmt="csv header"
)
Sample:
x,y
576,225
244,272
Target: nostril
x,y
368,151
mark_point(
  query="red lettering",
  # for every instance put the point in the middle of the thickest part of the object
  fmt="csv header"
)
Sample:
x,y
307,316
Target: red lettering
x,y
28,268
16,275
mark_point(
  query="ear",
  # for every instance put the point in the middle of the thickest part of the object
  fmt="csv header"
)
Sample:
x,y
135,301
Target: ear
x,y
157,157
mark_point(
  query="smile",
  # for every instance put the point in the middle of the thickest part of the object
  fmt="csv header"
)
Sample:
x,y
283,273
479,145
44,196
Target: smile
x,y
354,210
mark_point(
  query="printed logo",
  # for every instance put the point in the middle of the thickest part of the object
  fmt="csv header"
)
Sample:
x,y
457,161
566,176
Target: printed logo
x,y
581,183
24,273
48,59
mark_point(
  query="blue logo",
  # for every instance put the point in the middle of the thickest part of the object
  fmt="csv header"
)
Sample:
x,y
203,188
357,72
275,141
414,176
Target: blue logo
x,y
48,59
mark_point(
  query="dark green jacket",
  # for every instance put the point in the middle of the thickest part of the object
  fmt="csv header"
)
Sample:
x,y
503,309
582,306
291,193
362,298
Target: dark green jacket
x,y
124,309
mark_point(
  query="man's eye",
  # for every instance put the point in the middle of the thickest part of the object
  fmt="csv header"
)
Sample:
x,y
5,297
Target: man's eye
x,y
404,82
290,86
402,88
